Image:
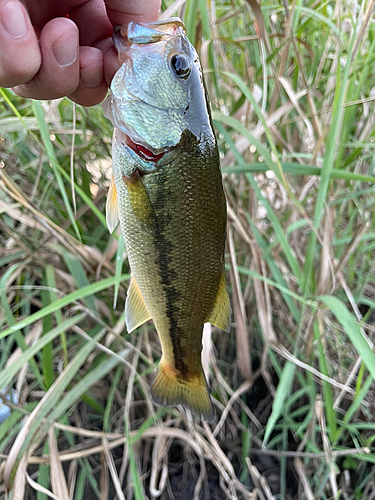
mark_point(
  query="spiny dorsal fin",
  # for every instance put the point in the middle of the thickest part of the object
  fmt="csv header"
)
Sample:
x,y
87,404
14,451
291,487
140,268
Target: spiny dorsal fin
x,y
136,312
220,315
112,207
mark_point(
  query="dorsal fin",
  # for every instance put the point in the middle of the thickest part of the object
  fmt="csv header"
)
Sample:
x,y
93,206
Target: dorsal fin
x,y
112,207
136,311
220,315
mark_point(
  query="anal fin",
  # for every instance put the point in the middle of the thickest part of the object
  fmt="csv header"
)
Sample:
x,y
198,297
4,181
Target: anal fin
x,y
220,315
136,311
112,207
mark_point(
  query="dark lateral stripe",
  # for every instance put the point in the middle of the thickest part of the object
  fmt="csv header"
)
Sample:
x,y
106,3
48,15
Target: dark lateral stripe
x,y
168,275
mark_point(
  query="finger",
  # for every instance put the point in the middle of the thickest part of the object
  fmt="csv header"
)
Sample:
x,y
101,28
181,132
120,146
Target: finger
x,y
20,56
58,75
92,21
92,88
124,11
111,65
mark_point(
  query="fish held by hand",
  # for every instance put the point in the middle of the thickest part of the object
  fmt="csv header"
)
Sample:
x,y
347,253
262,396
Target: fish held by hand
x,y
168,195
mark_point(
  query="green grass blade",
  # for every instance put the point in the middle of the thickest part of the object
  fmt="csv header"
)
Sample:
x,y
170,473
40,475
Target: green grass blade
x,y
76,270
36,420
38,112
137,485
274,269
249,96
281,396
271,214
111,395
20,339
51,283
327,391
47,352
248,272
297,169
327,167
85,198
191,19
82,387
7,375
355,406
352,329
80,486
63,302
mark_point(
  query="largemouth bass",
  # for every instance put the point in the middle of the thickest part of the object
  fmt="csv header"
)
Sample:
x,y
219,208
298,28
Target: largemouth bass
x,y
167,193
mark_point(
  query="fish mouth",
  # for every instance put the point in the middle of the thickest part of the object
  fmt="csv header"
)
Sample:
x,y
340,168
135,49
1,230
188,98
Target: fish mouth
x,y
144,151
153,157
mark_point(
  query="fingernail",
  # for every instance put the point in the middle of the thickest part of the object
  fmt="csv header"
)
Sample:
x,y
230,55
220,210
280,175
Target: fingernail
x,y
91,77
13,18
66,50
19,89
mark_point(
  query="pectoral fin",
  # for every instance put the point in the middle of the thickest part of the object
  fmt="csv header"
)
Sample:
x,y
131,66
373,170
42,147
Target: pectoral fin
x,y
112,207
136,312
139,199
220,315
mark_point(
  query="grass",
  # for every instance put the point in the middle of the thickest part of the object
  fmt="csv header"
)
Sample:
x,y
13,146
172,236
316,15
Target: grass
x,y
291,87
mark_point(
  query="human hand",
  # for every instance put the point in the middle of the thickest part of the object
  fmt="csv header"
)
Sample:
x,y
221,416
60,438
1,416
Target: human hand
x,y
75,56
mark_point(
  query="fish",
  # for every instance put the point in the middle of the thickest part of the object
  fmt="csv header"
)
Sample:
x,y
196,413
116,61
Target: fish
x,y
167,193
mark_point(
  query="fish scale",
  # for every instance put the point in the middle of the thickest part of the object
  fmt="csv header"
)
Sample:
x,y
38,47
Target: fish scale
x,y
173,217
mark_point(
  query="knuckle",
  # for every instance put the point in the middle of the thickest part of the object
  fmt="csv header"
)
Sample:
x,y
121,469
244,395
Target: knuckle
x,y
40,88
55,84
65,88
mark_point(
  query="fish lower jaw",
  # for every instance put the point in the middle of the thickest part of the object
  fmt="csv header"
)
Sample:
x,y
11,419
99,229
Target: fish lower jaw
x,y
144,151
149,159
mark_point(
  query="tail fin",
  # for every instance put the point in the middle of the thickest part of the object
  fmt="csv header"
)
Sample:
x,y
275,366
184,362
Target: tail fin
x,y
170,389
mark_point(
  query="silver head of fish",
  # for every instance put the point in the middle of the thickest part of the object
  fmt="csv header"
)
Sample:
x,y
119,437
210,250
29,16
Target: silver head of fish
x,y
158,95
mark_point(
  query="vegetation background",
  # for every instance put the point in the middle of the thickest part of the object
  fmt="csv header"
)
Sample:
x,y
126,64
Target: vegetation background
x,y
292,86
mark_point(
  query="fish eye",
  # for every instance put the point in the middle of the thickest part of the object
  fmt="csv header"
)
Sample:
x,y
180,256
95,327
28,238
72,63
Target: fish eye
x,y
180,65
